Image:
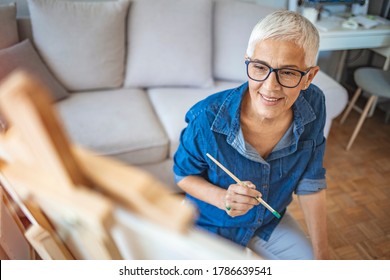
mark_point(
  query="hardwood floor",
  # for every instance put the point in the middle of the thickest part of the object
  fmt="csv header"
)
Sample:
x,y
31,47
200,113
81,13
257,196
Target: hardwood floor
x,y
358,195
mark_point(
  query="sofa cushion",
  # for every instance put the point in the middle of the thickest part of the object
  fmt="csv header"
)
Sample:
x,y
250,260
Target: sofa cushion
x,y
8,27
82,42
234,21
172,104
336,97
169,43
118,123
23,56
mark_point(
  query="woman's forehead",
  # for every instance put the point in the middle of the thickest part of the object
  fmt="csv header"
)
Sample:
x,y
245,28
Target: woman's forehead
x,y
279,53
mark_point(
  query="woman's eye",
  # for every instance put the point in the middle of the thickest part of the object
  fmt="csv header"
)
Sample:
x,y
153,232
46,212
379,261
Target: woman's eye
x,y
260,67
288,73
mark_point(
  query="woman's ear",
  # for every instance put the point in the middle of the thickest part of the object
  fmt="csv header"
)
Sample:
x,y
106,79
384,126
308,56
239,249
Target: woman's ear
x,y
313,72
310,76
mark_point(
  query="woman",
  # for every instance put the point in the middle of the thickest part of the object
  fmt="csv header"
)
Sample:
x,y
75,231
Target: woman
x,y
269,133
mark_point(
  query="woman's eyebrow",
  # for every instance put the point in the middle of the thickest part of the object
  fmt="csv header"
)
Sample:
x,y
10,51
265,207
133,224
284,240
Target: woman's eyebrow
x,y
283,66
290,66
260,61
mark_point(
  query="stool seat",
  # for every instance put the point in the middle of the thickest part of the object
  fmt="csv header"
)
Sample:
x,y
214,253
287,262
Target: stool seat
x,y
373,80
376,83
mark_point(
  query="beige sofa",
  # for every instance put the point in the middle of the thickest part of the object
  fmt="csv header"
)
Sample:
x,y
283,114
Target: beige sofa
x,y
125,73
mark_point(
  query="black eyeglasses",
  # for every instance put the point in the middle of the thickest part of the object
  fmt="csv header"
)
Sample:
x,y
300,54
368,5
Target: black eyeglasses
x,y
286,77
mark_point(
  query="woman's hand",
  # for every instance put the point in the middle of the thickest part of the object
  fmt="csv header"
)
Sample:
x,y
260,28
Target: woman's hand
x,y
240,199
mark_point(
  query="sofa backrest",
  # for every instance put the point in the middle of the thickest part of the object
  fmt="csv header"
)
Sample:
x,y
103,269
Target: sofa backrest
x,y
168,43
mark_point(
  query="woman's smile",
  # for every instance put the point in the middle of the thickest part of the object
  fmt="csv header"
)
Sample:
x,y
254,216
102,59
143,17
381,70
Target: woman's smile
x,y
270,100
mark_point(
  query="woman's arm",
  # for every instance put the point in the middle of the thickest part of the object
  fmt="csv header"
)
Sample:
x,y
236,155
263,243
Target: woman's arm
x,y
314,210
198,187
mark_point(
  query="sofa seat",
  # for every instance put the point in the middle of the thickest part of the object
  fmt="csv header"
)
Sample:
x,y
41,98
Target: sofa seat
x,y
119,123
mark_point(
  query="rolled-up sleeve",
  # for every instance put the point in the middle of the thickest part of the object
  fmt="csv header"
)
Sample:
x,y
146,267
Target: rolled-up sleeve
x,y
313,179
308,186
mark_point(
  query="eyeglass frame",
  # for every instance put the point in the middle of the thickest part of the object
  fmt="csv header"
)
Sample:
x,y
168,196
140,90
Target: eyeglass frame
x,y
303,73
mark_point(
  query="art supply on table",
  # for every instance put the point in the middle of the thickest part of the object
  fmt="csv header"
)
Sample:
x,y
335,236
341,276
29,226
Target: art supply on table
x,y
238,181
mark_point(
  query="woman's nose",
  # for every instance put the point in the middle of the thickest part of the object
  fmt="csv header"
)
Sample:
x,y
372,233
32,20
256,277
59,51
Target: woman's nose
x,y
271,82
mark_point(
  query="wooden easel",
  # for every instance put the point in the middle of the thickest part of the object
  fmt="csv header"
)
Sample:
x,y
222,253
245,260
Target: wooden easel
x,y
68,193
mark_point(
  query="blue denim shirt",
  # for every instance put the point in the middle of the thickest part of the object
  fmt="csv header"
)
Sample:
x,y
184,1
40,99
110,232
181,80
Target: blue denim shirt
x,y
294,166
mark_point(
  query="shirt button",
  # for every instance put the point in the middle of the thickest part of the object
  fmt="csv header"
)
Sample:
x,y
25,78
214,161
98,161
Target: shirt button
x,y
265,186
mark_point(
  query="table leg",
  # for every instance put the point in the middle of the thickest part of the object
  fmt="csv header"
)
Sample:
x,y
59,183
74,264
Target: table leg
x,y
341,64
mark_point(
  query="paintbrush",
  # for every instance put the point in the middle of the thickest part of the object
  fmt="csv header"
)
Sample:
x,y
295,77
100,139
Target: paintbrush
x,y
238,181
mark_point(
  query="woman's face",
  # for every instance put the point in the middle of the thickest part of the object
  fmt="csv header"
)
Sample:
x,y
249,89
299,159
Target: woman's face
x,y
268,99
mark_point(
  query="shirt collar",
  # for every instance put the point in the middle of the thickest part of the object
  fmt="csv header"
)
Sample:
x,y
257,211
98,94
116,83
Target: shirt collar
x,y
227,119
303,112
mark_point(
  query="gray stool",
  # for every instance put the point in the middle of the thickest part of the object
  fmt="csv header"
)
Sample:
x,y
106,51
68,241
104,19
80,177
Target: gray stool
x,y
376,83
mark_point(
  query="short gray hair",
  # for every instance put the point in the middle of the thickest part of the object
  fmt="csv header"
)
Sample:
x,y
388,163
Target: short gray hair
x,y
287,26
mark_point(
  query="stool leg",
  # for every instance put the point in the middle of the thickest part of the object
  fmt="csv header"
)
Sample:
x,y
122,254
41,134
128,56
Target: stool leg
x,y
370,102
350,105
372,110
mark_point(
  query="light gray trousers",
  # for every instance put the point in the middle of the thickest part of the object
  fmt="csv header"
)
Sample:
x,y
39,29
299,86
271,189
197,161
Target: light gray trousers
x,y
287,242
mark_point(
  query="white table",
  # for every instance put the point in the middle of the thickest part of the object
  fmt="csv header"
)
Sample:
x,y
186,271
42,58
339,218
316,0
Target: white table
x,y
339,38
